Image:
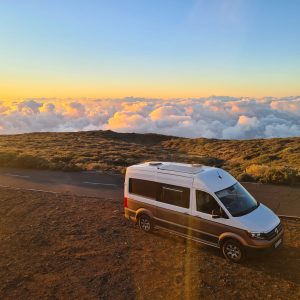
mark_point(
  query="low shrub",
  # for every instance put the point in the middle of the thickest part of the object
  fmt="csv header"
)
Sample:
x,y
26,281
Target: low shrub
x,y
212,161
274,174
30,162
62,158
13,159
7,158
245,177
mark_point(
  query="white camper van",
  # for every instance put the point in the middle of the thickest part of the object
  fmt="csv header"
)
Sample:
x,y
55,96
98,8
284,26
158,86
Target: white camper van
x,y
201,203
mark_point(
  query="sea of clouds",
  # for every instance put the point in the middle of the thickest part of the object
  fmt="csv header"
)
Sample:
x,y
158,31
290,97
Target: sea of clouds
x,y
212,117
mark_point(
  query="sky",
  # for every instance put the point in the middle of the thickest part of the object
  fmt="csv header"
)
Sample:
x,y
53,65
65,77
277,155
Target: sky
x,y
193,68
149,49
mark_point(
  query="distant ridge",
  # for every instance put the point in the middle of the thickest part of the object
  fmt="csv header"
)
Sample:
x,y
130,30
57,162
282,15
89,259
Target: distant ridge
x,y
275,160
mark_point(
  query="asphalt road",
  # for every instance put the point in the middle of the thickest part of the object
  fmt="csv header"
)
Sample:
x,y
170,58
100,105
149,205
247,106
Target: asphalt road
x,y
284,200
94,183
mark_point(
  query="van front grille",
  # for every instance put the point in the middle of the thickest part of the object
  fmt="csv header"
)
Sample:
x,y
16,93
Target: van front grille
x,y
274,232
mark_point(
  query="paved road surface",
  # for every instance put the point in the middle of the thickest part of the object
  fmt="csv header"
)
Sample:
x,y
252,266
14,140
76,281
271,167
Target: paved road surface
x,y
283,200
94,184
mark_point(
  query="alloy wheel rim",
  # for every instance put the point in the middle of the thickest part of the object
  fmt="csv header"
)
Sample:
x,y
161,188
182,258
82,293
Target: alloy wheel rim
x,y
145,224
233,252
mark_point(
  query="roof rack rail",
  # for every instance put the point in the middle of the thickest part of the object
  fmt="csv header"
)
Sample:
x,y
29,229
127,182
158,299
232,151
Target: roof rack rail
x,y
197,165
190,169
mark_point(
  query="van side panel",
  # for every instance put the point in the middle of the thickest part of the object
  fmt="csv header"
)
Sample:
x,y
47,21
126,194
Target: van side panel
x,y
172,220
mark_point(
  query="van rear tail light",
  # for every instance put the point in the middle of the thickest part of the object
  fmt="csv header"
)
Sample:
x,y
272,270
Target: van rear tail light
x,y
125,202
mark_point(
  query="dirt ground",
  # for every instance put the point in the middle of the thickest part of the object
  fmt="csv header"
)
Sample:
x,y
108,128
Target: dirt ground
x,y
65,247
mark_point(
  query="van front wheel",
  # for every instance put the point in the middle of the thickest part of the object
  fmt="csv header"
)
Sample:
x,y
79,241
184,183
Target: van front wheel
x,y
233,251
145,223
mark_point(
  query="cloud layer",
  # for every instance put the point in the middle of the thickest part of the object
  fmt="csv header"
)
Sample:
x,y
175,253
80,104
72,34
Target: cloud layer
x,y
213,117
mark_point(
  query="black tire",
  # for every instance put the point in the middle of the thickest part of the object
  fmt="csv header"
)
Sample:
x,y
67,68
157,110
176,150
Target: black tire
x,y
145,223
233,251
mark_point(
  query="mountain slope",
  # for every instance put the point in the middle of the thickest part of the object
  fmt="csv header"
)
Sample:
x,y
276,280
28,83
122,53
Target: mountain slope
x,y
267,160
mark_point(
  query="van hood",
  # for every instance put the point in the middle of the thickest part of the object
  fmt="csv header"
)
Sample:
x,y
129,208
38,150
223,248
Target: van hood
x,y
262,219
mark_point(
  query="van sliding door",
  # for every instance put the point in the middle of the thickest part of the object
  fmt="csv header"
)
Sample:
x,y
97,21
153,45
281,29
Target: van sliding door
x,y
173,207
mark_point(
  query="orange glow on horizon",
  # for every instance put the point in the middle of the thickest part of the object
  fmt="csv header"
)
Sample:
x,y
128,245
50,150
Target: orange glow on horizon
x,y
12,92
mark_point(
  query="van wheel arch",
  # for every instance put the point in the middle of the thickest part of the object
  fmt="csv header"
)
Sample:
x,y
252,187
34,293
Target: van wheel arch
x,y
222,241
229,236
143,211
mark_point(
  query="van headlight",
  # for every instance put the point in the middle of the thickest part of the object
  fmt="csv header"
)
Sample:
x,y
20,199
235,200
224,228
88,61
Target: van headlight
x,y
256,235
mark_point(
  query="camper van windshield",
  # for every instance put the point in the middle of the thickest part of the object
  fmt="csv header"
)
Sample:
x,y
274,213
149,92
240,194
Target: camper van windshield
x,y
237,200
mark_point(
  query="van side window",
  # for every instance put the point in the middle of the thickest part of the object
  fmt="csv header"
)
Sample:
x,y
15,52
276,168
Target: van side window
x,y
143,188
175,195
205,202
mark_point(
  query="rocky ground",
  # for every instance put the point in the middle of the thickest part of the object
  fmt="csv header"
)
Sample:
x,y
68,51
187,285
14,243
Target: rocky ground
x,y
66,247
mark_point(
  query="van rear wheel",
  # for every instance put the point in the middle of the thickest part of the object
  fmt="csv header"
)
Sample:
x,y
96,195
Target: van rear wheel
x,y
145,223
233,251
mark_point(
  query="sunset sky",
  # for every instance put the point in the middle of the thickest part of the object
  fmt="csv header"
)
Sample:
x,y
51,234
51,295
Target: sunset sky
x,y
156,49
207,68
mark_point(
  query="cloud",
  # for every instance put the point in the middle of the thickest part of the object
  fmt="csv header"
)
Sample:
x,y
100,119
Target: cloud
x,y
212,117
29,107
127,122
76,109
245,126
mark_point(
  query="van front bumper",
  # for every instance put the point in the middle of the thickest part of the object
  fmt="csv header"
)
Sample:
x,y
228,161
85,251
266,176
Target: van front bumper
x,y
274,246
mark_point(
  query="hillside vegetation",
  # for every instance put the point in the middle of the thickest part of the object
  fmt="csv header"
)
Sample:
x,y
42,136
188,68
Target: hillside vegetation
x,y
265,160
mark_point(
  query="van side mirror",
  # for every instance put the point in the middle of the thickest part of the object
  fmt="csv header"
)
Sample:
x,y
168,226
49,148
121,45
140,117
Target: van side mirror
x,y
217,213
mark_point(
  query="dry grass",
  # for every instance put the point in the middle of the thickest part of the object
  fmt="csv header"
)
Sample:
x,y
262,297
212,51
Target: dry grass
x,y
266,160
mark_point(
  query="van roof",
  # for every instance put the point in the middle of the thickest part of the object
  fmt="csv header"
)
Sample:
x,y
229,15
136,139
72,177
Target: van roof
x,y
204,177
185,169
190,169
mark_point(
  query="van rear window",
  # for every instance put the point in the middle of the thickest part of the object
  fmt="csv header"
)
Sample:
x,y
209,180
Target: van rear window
x,y
143,188
166,193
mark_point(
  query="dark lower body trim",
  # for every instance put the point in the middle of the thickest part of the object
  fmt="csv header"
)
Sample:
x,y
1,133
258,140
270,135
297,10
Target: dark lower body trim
x,y
188,232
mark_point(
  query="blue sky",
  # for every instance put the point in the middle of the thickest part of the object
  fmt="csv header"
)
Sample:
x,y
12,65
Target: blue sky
x,y
166,48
